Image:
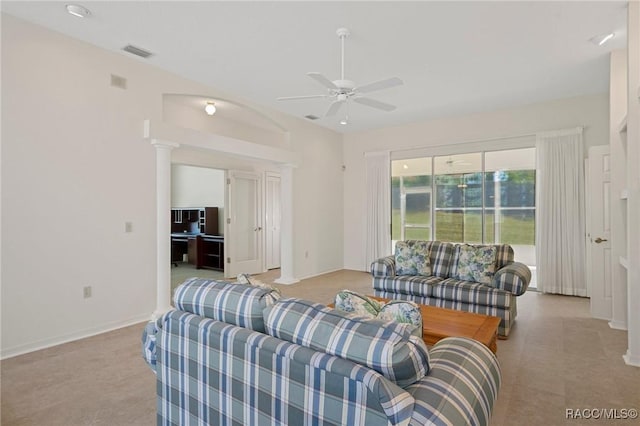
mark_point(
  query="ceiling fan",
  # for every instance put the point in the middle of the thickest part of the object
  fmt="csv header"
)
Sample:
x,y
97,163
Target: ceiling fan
x,y
342,90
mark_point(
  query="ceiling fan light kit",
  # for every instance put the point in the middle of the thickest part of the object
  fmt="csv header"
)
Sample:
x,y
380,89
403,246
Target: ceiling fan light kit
x,y
342,90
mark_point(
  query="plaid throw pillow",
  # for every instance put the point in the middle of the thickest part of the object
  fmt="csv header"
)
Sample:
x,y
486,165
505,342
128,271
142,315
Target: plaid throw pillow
x,y
386,347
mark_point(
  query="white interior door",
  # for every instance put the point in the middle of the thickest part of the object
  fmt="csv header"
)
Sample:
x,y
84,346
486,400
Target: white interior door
x,y
599,231
272,221
244,224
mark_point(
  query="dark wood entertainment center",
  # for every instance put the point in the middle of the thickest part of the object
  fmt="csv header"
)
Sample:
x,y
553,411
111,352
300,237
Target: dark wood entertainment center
x,y
194,232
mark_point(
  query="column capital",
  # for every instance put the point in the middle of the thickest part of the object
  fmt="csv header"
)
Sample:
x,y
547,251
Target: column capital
x,y
160,144
287,166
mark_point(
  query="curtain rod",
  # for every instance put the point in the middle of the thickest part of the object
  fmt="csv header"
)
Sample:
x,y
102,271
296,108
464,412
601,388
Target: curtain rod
x,y
523,135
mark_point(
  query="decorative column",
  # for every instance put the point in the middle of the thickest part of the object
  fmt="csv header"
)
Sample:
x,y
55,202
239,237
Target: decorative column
x,y
163,225
286,225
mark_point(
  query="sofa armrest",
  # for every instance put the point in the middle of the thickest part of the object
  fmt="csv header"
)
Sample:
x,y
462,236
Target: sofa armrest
x,y
461,387
514,278
384,267
149,344
149,340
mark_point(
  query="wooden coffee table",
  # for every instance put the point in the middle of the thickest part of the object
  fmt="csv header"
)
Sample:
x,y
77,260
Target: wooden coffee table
x,y
438,323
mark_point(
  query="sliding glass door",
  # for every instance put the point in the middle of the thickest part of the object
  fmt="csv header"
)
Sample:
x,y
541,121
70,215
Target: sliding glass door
x,y
458,186
480,197
411,200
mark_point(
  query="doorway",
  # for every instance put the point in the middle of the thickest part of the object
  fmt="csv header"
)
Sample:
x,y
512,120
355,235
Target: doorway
x,y
197,222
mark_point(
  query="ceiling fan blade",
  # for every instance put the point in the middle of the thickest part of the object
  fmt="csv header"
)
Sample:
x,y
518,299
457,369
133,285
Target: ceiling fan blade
x,y
292,98
333,108
322,80
374,104
379,85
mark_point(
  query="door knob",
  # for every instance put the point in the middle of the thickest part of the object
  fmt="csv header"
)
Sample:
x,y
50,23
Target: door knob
x,y
599,240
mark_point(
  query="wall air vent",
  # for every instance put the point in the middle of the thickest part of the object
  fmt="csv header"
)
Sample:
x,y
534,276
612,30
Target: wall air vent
x,y
137,51
311,117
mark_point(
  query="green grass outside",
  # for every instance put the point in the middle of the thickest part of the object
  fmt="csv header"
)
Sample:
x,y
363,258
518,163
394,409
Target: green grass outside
x,y
449,227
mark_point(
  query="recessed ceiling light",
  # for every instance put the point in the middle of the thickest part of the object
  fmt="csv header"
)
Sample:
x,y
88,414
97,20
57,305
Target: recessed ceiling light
x,y
210,108
77,10
344,121
404,166
601,39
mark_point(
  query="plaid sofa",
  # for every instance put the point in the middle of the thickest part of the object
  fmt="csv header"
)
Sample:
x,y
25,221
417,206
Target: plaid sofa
x,y
440,289
214,372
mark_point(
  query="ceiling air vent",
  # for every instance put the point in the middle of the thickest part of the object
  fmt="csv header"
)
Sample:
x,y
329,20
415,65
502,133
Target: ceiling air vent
x,y
311,117
137,51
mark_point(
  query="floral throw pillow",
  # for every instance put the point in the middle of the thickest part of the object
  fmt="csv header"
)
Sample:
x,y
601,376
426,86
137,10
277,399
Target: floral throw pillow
x,y
350,301
476,263
412,258
401,311
248,279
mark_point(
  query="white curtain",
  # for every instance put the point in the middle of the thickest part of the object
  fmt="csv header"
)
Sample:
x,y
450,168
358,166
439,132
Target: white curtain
x,y
560,224
378,206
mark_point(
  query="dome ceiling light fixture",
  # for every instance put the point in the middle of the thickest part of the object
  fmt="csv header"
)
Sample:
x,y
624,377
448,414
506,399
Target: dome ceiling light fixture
x,y
210,108
77,10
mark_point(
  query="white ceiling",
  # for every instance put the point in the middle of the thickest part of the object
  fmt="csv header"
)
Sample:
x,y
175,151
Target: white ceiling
x,y
454,57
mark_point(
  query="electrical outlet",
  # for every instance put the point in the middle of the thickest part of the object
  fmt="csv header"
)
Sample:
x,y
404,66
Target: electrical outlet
x,y
86,291
128,227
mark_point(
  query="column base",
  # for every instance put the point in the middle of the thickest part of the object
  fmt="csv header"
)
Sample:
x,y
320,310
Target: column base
x,y
617,325
630,359
159,312
286,281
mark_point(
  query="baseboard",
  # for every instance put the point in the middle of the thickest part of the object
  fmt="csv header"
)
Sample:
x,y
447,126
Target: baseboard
x,y
631,359
321,273
616,325
66,338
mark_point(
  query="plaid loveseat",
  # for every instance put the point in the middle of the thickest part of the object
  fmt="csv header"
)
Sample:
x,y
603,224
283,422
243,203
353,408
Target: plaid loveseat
x,y
214,372
441,288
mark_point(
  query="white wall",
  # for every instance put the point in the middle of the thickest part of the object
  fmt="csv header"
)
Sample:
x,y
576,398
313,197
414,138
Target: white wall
x,y
590,111
193,187
75,168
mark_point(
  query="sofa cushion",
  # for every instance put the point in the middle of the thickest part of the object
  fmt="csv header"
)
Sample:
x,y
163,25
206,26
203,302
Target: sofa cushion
x,y
504,255
386,347
471,292
441,257
237,304
474,263
417,285
412,258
